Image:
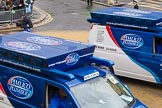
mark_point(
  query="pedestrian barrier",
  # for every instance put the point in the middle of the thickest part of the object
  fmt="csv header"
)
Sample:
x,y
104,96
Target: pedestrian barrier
x,y
5,16
12,15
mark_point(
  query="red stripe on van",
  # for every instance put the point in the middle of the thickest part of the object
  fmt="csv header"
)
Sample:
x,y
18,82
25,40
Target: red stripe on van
x,y
1,88
111,35
91,27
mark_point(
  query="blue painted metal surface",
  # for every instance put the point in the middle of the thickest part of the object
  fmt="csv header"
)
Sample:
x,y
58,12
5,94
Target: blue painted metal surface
x,y
128,17
47,52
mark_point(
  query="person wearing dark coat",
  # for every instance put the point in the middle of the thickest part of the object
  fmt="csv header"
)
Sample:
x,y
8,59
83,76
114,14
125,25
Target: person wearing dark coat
x,y
25,23
21,4
89,2
2,5
135,4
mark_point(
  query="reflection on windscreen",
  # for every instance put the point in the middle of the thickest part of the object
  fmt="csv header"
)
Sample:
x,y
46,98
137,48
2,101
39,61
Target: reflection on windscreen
x,y
102,92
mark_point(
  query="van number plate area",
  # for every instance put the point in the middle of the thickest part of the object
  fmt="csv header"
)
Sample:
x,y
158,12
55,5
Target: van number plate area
x,y
106,48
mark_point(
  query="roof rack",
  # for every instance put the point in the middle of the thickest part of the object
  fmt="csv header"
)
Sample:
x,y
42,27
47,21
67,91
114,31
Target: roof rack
x,y
43,51
127,17
26,67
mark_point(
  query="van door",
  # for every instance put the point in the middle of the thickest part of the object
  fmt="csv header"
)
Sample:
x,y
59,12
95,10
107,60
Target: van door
x,y
149,58
156,65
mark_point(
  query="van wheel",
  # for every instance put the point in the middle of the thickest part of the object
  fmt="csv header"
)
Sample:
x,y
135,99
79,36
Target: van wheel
x,y
107,68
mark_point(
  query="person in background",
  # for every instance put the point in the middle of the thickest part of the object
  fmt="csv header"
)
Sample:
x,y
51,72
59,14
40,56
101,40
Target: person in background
x,y
28,6
2,5
60,100
15,4
89,2
25,23
135,2
21,4
8,5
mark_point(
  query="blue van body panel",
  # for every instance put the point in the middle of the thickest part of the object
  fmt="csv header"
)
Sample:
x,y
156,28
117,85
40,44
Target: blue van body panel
x,y
138,105
141,54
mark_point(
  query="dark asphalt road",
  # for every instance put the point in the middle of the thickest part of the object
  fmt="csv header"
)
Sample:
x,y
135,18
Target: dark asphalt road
x,y
68,14
73,14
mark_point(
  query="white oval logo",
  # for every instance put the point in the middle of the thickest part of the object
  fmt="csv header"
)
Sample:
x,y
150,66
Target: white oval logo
x,y
44,40
22,46
20,87
72,59
131,41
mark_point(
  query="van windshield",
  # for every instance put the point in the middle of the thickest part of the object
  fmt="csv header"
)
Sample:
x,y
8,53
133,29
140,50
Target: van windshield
x,y
102,92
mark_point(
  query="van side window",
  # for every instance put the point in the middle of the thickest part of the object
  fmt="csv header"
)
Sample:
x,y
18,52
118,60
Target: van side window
x,y
158,45
57,98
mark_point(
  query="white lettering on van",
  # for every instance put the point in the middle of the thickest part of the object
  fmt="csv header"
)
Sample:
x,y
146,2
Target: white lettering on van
x,y
100,36
20,84
134,39
20,65
106,48
127,14
130,43
57,63
126,25
137,11
100,47
111,49
92,75
19,91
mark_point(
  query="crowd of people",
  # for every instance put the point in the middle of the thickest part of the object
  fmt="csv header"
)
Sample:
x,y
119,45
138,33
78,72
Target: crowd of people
x,y
7,5
10,5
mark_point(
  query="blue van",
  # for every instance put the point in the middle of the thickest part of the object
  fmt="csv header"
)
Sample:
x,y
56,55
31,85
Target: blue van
x,y
132,39
34,68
